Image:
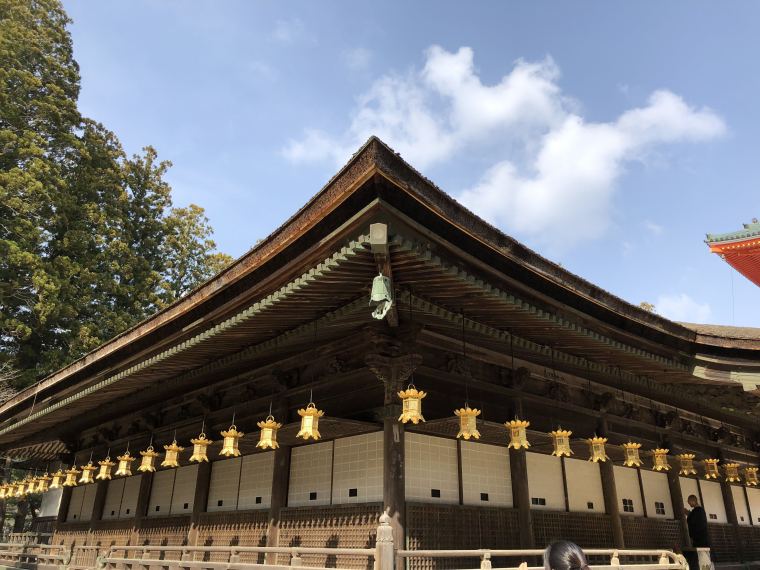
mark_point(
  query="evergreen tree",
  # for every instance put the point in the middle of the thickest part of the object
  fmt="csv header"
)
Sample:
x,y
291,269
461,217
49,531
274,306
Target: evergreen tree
x,y
89,242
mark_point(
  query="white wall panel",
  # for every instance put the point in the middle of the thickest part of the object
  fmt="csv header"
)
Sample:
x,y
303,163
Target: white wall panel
x,y
713,498
688,487
112,505
183,494
256,481
358,469
628,489
547,490
129,499
88,501
584,486
657,494
486,477
310,475
223,487
740,503
432,474
75,504
754,504
51,502
159,504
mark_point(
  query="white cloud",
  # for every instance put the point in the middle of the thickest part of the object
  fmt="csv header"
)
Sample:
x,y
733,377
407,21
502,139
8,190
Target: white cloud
x,y
681,307
653,228
288,31
555,173
357,59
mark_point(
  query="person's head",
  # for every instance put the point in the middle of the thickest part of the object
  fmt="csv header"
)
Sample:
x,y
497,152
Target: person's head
x,y
564,555
693,501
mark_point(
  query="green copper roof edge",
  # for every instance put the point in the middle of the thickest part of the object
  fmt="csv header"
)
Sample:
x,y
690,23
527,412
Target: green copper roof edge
x,y
750,230
228,323
410,246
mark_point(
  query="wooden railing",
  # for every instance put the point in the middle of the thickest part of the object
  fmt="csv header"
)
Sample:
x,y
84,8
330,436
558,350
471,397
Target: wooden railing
x,y
384,556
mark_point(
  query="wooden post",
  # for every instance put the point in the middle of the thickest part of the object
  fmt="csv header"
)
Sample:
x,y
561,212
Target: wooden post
x,y
280,481
609,489
518,466
63,508
100,501
141,509
200,498
676,500
733,520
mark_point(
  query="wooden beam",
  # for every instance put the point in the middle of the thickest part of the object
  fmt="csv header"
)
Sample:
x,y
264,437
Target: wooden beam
x,y
677,502
280,483
518,466
200,500
609,489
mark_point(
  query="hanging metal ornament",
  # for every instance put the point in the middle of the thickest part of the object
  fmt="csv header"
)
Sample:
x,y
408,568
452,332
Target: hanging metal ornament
x,y
148,461
124,468
43,483
200,447
732,472
597,449
104,471
468,425
31,485
20,489
660,459
3,491
268,435
88,473
518,434
686,461
632,456
71,477
411,401
171,458
750,476
561,442
310,421
711,468
230,445
56,481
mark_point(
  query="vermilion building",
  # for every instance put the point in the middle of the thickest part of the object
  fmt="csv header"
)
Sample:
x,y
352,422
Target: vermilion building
x,y
645,411
740,249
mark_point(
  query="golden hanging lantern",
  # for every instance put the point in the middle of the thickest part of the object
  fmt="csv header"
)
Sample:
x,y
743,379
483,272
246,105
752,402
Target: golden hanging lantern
x,y
711,468
660,459
148,461
561,442
732,472
31,485
231,441
71,477
468,425
56,481
686,460
750,476
200,448
20,489
268,436
518,437
597,450
124,469
310,422
3,491
88,473
171,458
411,400
632,457
104,471
43,483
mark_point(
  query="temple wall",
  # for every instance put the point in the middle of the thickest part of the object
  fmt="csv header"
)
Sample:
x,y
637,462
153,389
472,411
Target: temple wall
x,y
114,495
712,499
584,486
545,482
753,497
486,477
432,472
657,494
740,503
628,491
311,475
51,502
689,486
358,469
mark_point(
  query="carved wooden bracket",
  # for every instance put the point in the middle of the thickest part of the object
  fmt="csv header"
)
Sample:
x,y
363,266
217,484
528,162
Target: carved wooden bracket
x,y
393,371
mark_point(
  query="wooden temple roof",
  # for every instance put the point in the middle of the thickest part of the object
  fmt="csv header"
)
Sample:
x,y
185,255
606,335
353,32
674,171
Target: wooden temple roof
x,y
740,249
315,273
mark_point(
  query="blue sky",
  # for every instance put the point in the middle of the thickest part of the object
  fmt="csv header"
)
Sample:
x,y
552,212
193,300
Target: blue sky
x,y
608,136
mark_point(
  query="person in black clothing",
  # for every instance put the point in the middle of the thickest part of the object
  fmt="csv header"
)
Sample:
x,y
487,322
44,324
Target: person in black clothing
x,y
564,555
696,519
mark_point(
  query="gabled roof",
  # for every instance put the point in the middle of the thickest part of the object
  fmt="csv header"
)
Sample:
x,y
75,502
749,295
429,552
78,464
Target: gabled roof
x,y
750,230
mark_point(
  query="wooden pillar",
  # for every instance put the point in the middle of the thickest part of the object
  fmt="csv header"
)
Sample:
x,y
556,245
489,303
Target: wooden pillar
x,y
733,520
280,481
611,506
677,502
518,466
393,372
63,508
200,499
100,501
141,510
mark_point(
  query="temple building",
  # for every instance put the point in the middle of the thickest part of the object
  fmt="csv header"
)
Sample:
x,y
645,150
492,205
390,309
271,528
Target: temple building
x,y
386,349
741,249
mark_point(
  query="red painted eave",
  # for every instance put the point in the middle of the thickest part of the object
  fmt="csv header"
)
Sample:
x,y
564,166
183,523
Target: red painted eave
x,y
744,256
